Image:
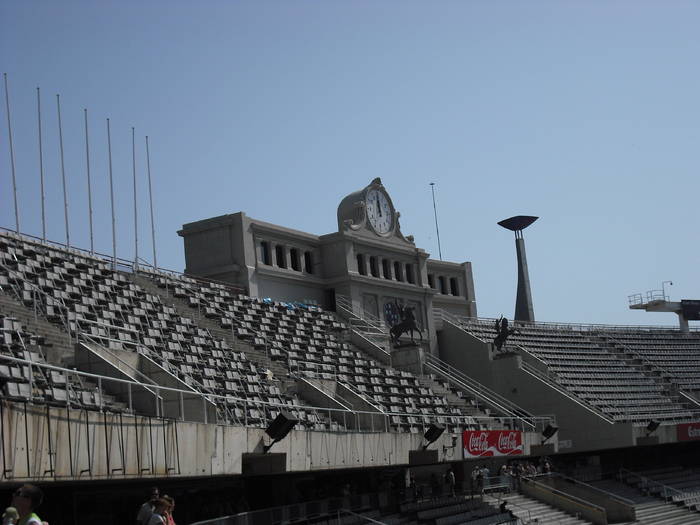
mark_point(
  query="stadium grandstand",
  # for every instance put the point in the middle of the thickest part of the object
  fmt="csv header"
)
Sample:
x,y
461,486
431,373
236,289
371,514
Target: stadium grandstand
x,y
279,380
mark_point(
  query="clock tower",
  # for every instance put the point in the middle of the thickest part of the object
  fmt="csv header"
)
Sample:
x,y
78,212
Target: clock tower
x,y
368,266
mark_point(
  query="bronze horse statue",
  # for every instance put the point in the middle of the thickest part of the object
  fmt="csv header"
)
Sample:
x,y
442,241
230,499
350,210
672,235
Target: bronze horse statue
x,y
502,333
407,324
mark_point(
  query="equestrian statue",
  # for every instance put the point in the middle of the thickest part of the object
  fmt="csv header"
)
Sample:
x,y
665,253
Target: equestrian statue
x,y
502,333
407,324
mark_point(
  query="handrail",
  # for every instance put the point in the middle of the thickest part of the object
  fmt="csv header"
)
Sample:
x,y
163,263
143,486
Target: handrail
x,y
333,395
41,294
465,420
479,391
346,305
579,327
575,481
364,398
574,499
647,482
129,368
368,519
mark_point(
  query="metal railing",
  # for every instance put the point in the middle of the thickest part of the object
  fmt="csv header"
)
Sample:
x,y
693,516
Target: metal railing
x,y
648,486
572,327
487,397
366,319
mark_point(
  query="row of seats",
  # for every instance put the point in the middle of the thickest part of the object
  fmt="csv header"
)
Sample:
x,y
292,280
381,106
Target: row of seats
x,y
107,306
310,342
95,301
586,365
23,381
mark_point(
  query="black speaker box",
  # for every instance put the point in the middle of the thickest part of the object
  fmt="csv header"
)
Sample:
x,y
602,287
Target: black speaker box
x,y
280,427
433,432
549,431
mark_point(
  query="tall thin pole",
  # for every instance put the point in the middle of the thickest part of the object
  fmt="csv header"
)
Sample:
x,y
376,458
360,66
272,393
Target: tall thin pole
x,y
12,153
89,182
41,167
63,169
437,229
111,198
136,217
150,198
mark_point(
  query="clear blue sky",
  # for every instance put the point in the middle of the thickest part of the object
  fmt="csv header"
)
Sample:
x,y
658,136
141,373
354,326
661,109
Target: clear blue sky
x,y
584,113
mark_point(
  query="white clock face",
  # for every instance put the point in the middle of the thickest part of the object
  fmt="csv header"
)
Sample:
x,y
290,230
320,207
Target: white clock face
x,y
379,211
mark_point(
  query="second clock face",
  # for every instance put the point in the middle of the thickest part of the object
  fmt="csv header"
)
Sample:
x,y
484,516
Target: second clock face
x,y
379,211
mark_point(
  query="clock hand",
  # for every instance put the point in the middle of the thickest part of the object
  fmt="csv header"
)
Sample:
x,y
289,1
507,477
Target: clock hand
x,y
378,206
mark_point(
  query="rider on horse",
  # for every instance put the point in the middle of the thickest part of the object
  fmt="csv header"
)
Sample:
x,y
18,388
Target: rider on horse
x,y
502,333
407,323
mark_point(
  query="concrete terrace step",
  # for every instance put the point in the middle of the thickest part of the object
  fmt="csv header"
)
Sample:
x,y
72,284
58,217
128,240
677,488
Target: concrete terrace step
x,y
529,509
665,514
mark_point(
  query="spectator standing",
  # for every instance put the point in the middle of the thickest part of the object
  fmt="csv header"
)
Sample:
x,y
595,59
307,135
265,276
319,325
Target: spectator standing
x,y
171,508
26,500
147,508
160,511
451,482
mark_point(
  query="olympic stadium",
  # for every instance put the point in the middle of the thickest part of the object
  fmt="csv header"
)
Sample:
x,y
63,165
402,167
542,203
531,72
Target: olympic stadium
x,y
292,377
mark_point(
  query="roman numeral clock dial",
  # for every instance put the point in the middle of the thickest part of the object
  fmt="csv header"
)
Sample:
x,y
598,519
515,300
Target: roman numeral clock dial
x,y
379,211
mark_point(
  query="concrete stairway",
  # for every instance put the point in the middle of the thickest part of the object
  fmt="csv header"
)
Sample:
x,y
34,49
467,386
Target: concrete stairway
x,y
464,404
529,510
58,349
660,513
650,510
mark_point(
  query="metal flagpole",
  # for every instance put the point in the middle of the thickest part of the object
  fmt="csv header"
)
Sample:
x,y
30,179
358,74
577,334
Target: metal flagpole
x,y
87,164
41,167
150,198
111,198
432,188
136,217
63,170
12,153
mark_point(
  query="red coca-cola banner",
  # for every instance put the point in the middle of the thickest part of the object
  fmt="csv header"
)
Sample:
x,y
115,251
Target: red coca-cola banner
x,y
486,443
688,431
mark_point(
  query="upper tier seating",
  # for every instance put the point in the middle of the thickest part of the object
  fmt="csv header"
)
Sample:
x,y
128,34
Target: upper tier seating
x,y
584,362
675,353
307,340
105,305
93,300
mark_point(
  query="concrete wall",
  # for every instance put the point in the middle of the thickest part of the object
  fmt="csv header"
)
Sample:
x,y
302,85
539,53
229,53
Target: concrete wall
x,y
583,429
125,446
289,288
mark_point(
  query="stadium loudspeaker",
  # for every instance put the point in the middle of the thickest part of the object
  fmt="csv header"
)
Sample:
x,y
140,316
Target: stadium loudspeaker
x,y
549,431
279,428
432,434
652,426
